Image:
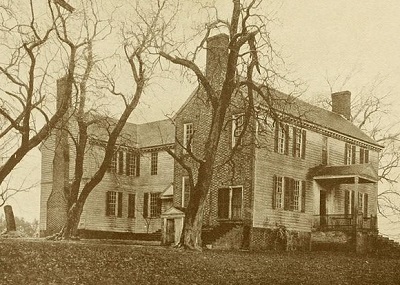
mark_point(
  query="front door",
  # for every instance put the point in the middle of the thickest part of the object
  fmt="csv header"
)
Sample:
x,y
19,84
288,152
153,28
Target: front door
x,y
170,235
322,208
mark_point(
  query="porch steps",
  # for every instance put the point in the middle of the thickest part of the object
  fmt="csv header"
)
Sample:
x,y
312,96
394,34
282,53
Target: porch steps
x,y
386,246
230,240
210,235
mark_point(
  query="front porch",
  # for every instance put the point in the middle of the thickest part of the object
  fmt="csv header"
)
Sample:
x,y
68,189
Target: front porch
x,y
344,198
342,222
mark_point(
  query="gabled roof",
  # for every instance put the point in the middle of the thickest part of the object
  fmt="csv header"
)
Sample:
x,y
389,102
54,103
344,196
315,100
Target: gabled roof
x,y
365,172
156,133
307,112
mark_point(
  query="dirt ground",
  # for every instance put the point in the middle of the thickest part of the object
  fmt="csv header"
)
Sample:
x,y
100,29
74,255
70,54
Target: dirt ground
x,y
39,261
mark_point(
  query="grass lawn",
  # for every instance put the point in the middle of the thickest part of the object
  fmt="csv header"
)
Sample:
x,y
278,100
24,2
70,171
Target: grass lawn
x,y
91,262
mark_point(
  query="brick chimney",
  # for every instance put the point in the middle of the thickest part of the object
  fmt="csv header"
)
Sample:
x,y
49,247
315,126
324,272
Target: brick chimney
x,y
341,103
217,58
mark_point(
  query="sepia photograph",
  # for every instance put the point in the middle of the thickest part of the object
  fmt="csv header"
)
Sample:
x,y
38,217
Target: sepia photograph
x,y
199,142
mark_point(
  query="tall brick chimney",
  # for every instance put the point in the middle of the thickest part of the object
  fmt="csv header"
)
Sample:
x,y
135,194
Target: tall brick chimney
x,y
341,103
57,203
217,58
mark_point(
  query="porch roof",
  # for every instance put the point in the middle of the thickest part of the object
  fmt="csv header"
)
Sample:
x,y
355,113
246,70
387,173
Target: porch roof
x,y
346,174
168,193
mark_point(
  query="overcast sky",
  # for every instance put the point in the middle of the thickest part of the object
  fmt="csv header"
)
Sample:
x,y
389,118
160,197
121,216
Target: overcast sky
x,y
319,39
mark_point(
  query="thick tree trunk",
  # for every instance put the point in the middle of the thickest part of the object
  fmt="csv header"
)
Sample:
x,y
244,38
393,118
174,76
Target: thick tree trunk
x,y
70,229
10,220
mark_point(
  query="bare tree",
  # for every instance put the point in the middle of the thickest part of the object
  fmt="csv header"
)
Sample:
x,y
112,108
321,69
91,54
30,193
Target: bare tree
x,y
30,54
138,38
249,70
372,111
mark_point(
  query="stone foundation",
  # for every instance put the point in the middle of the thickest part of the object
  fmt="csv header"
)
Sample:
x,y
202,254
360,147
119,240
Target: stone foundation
x,y
279,239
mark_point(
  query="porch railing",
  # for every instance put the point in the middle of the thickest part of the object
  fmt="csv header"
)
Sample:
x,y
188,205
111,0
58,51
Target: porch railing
x,y
344,222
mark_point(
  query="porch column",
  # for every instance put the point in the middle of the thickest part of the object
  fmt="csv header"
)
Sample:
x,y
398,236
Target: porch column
x,y
355,202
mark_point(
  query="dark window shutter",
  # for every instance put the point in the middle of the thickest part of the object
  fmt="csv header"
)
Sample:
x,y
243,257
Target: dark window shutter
x,y
352,202
131,205
119,205
127,164
361,155
303,196
276,136
294,141
274,192
365,205
158,210
223,203
346,202
366,156
287,193
108,194
146,205
346,146
120,162
286,139
353,154
137,165
303,144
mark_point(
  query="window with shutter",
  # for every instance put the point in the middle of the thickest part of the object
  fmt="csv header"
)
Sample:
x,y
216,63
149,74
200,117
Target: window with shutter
x,y
303,196
365,205
324,150
146,205
131,205
278,195
120,162
119,205
137,164
114,203
281,138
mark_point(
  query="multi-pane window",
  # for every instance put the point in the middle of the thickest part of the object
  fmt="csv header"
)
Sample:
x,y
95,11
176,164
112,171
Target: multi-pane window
x,y
132,164
350,154
131,205
281,138
364,155
125,162
278,185
185,191
230,203
151,205
324,150
237,129
299,142
348,202
114,203
154,163
187,136
296,195
120,162
289,194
